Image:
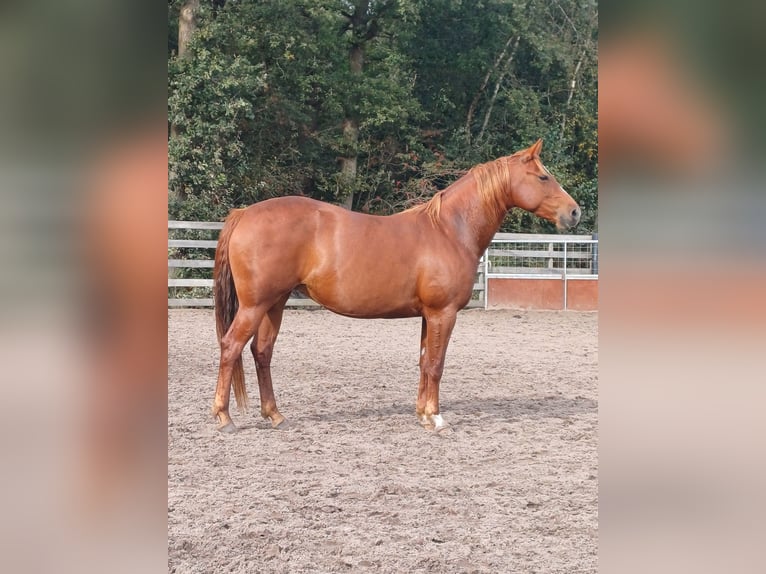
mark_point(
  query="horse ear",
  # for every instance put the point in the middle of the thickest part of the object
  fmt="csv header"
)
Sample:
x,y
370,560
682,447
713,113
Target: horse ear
x,y
533,150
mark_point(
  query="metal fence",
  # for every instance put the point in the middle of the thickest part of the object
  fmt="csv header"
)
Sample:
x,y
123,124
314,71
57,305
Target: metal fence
x,y
531,256
521,255
191,247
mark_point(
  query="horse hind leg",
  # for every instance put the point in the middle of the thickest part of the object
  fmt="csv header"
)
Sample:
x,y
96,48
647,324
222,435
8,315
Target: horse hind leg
x,y
263,349
244,325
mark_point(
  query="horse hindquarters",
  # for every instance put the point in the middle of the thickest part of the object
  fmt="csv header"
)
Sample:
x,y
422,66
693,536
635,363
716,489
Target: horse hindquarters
x,y
233,324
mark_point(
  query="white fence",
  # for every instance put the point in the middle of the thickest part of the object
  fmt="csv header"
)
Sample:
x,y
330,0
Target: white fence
x,y
521,255
532,256
191,246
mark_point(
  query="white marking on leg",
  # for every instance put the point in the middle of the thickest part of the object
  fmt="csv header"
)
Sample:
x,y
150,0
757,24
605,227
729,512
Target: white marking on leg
x,y
438,421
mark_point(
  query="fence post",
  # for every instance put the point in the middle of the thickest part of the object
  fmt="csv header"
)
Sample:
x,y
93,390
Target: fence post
x,y
550,259
594,255
486,280
566,285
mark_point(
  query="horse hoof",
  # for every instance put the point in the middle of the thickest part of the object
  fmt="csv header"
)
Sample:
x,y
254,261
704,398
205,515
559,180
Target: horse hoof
x,y
443,430
280,423
228,428
433,423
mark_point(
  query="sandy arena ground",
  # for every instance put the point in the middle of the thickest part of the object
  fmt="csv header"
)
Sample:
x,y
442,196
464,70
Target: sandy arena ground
x,y
355,484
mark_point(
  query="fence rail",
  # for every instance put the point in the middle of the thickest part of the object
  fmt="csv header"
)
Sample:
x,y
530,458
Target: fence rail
x,y
191,246
521,255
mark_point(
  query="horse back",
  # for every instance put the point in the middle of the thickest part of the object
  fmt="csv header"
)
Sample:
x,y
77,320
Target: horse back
x,y
352,263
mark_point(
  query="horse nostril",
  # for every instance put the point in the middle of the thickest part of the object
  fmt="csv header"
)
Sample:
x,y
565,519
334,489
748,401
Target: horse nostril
x,y
575,212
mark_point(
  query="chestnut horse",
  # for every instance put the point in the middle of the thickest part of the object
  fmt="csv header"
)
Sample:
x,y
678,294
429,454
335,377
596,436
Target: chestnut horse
x,y
420,262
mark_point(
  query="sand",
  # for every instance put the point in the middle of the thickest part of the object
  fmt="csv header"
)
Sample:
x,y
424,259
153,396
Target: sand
x,y
355,484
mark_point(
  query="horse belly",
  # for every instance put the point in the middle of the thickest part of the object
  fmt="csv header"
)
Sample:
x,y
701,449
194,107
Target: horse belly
x,y
364,289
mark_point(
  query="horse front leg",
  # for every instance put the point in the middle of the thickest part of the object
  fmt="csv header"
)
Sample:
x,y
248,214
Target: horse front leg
x,y
420,405
437,327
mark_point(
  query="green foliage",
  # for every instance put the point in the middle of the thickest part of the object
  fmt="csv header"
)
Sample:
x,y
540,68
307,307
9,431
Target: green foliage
x,y
258,108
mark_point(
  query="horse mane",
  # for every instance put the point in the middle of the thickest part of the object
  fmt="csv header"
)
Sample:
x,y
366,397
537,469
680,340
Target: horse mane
x,y
432,207
492,180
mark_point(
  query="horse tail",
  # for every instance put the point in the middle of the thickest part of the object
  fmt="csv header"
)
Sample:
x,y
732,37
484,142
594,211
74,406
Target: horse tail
x,y
226,301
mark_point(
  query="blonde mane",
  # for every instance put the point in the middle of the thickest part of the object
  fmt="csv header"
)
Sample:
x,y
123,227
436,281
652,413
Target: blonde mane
x,y
432,207
492,181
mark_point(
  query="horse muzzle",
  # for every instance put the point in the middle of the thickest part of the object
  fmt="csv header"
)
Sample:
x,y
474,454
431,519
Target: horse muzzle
x,y
569,218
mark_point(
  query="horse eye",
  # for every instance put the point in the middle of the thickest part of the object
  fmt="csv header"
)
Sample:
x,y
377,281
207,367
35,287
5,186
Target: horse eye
x,y
543,177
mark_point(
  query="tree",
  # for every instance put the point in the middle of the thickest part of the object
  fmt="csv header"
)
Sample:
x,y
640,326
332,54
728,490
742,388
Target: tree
x,y
367,30
187,25
376,104
522,71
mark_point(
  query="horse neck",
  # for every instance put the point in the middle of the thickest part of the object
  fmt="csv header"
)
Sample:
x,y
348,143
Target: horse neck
x,y
467,213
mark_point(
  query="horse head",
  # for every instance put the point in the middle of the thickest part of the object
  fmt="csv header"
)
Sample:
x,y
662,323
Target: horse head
x,y
534,189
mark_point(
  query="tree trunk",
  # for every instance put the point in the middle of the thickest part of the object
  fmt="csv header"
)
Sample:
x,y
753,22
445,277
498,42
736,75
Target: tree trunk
x,y
187,25
348,163
499,82
572,86
586,47
477,97
358,24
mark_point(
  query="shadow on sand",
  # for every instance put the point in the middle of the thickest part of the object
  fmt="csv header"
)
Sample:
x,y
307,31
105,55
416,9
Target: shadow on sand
x,y
500,408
